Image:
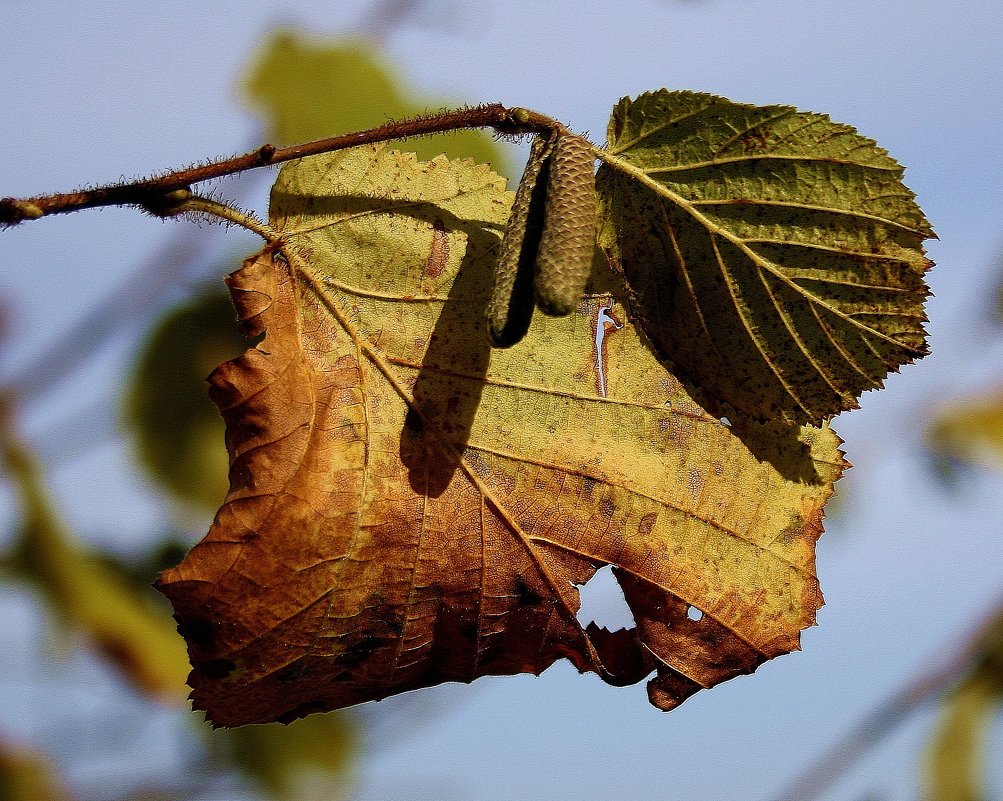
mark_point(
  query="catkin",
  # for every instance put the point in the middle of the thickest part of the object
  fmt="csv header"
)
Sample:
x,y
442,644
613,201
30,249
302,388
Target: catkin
x,y
567,242
510,307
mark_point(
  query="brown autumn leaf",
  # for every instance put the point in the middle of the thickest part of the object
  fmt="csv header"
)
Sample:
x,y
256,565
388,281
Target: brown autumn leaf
x,y
409,507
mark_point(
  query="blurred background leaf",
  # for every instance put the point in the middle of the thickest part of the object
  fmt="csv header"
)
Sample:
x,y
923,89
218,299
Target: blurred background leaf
x,y
178,433
28,775
956,761
970,430
308,88
131,629
311,759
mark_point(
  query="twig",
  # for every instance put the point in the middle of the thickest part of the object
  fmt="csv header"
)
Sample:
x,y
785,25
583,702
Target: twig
x,y
155,194
926,687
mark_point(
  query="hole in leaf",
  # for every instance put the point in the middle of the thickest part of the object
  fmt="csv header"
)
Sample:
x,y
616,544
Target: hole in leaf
x,y
694,614
603,602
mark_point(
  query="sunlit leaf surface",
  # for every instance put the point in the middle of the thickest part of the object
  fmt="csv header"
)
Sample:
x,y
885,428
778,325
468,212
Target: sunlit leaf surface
x,y
409,507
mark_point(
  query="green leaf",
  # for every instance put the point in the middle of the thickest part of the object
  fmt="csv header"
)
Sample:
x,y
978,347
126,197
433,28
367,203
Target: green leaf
x,y
178,433
313,758
773,255
314,88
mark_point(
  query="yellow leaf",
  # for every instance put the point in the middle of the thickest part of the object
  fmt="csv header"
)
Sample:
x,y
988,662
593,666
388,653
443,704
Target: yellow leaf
x,y
409,507
971,430
314,87
28,775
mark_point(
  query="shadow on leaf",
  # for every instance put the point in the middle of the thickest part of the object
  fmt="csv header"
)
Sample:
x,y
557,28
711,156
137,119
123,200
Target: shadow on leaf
x,y
451,379
782,445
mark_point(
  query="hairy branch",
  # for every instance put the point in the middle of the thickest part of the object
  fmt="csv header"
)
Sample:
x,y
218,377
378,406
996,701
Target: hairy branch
x,y
154,194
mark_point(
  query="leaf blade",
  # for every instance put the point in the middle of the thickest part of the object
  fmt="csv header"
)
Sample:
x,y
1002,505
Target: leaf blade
x,y
729,221
408,506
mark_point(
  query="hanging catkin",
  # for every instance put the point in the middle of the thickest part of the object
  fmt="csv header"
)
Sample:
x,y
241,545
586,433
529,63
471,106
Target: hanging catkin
x,y
510,307
567,243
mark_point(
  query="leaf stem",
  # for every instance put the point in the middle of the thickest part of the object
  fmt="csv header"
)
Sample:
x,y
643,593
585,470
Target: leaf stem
x,y
151,193
198,204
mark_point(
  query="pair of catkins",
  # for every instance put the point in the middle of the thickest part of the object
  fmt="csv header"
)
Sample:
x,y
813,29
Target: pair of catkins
x,y
546,251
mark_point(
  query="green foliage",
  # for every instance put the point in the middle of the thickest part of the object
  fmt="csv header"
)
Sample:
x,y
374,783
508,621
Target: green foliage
x,y
177,432
308,760
774,256
314,88
957,756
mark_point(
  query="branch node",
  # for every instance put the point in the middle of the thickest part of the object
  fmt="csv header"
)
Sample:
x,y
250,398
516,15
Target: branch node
x,y
13,211
167,204
265,153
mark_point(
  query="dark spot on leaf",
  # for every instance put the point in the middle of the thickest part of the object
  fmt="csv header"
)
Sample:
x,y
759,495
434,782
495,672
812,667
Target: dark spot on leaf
x,y
302,711
359,651
196,631
646,524
527,595
469,630
438,255
413,421
217,668
433,676
293,672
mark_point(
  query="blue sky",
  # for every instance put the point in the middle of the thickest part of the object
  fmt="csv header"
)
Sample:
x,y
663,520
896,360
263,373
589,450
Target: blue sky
x,y
97,92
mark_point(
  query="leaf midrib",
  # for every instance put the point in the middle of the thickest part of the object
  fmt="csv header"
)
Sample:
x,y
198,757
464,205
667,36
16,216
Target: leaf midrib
x,y
375,357
717,162
659,189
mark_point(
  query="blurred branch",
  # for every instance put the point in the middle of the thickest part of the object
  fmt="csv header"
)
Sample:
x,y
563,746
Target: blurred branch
x,y
88,594
133,299
956,756
964,654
